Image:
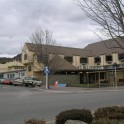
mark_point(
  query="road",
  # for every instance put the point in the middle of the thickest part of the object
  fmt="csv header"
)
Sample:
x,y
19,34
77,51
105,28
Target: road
x,y
19,103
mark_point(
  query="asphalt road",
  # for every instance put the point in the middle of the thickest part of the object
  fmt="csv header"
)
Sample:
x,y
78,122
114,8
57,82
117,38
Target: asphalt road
x,y
19,103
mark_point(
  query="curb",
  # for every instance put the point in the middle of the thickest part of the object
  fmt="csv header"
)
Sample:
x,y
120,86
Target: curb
x,y
83,91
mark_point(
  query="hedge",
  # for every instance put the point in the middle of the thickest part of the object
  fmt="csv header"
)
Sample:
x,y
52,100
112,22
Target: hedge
x,y
74,114
114,112
34,121
105,121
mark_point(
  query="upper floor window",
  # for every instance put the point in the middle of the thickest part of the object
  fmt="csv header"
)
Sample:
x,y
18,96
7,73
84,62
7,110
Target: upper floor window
x,y
25,57
29,68
108,58
69,58
121,56
83,60
97,60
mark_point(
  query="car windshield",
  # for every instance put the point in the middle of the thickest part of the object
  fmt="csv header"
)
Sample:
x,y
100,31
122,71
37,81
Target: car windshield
x,y
31,78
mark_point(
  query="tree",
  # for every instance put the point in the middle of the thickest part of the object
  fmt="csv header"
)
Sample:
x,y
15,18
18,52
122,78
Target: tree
x,y
109,15
45,50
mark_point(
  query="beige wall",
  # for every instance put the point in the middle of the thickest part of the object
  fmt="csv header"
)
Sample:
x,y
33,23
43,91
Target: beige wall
x,y
11,66
91,61
103,60
29,55
76,61
31,61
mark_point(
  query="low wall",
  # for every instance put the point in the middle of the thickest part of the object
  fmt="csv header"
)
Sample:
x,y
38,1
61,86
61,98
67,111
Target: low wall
x,y
65,79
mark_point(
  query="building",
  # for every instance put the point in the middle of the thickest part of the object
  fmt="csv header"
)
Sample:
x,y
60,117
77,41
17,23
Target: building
x,y
68,59
12,70
96,62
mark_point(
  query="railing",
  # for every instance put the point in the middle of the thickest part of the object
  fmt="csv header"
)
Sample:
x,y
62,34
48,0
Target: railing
x,y
99,67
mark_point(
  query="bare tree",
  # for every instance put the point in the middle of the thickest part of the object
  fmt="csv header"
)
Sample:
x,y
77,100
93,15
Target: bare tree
x,y
109,15
45,48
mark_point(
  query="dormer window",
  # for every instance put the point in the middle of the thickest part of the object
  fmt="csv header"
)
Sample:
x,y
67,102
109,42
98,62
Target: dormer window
x,y
109,58
25,56
121,56
97,60
83,60
69,59
29,68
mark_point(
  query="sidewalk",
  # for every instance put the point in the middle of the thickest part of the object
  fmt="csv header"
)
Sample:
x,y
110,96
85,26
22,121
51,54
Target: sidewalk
x,y
79,89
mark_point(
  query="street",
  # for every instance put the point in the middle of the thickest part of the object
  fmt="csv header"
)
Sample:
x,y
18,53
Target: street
x,y
20,103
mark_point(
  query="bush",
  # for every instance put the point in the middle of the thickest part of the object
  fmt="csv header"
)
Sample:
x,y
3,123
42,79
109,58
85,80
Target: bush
x,y
74,114
105,121
35,121
114,112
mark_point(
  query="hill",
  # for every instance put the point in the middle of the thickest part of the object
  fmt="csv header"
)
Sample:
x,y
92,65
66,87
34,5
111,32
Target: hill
x,y
3,60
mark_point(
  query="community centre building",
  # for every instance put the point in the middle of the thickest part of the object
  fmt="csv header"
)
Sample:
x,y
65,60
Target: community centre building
x,y
96,63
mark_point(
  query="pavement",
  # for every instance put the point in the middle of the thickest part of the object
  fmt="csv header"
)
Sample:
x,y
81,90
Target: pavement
x,y
57,89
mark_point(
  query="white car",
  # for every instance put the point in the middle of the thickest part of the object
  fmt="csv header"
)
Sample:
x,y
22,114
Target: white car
x,y
32,81
17,82
1,80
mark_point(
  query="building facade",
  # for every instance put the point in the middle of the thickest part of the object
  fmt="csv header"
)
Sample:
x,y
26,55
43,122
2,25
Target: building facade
x,y
96,62
12,70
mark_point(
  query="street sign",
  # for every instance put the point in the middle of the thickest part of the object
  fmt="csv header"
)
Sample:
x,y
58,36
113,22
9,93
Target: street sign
x,y
46,70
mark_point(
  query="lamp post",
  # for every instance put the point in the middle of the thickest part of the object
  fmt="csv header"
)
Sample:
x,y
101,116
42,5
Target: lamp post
x,y
115,67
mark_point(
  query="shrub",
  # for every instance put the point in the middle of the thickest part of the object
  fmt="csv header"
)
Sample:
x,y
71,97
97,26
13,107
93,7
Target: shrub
x,y
74,114
105,121
34,121
114,112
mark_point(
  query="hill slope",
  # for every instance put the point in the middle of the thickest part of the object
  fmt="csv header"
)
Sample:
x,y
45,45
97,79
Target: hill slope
x,y
3,60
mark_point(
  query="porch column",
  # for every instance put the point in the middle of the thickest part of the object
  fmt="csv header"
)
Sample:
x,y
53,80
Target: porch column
x,y
87,78
99,78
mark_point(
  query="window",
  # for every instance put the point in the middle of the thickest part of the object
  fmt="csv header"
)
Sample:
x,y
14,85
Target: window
x,y
121,56
25,57
69,58
83,60
29,68
22,74
97,60
12,76
7,75
108,58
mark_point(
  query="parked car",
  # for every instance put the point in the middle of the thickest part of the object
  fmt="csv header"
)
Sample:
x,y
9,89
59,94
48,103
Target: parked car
x,y
17,82
1,80
32,81
7,81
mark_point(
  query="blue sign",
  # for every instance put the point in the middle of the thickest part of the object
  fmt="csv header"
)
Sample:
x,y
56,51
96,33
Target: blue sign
x,y
46,70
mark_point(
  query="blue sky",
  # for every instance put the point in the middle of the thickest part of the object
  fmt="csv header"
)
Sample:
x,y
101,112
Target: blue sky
x,y
20,18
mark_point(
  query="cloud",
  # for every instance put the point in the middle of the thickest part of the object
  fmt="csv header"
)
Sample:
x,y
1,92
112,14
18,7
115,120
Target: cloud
x,y
20,18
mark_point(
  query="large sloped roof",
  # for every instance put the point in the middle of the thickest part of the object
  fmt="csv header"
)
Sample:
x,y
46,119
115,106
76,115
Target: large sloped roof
x,y
67,51
105,47
61,64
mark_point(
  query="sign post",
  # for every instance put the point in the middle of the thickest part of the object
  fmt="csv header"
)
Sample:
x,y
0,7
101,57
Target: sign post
x,y
115,67
46,71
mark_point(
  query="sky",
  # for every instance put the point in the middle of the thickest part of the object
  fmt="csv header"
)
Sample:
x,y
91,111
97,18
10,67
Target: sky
x,y
20,18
